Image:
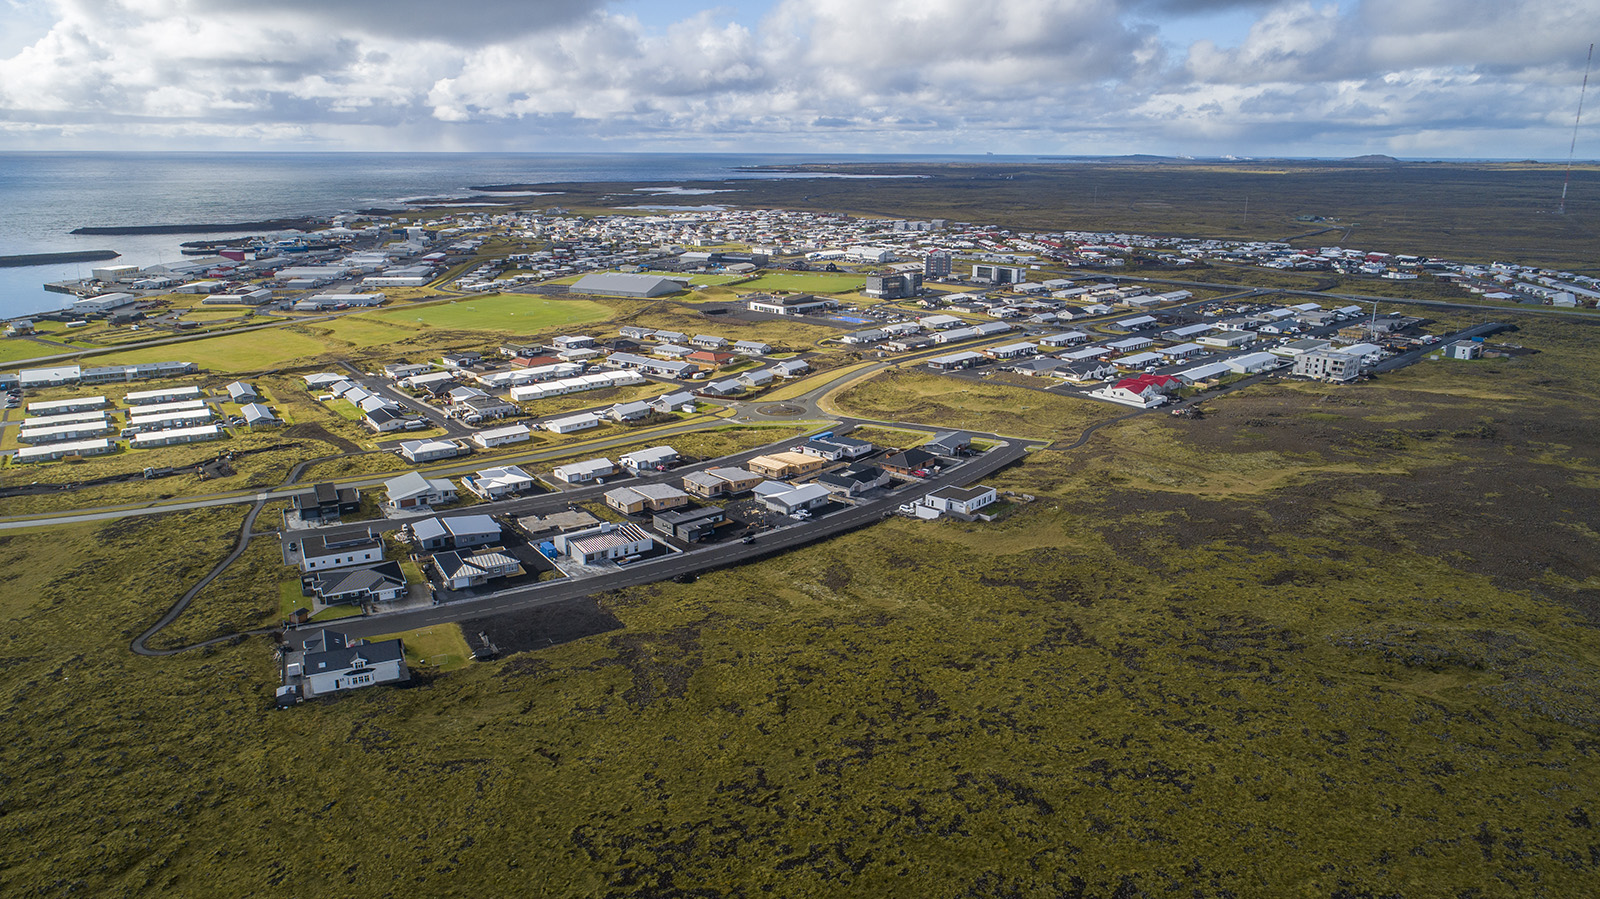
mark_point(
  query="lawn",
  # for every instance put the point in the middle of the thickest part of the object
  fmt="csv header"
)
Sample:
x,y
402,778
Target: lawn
x,y
501,313
946,402
803,282
236,352
15,348
438,648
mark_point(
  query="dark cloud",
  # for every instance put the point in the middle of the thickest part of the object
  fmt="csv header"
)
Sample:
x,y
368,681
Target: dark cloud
x,y
471,22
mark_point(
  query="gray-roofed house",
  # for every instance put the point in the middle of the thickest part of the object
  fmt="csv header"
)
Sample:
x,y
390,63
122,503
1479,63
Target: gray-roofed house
x,y
798,499
428,450
949,443
630,411
791,368
459,571
455,532
759,378
384,582
960,500
414,490
240,392
645,498
655,458
332,663
384,420
672,401
255,414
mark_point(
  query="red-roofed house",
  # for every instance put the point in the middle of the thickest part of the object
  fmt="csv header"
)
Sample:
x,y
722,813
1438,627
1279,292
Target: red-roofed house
x,y
1143,391
534,361
711,357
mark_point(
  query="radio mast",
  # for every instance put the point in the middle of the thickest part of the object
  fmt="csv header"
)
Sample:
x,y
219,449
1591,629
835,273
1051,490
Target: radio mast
x,y
1562,209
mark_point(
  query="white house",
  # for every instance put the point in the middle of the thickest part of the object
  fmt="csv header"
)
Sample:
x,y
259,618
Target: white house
x,y
961,500
572,423
804,498
1143,391
428,450
672,402
319,552
585,471
331,664
414,490
1253,363
494,437
498,483
656,458
605,542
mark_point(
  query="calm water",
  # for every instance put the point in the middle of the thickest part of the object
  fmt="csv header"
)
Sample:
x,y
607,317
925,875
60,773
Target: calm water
x,y
46,195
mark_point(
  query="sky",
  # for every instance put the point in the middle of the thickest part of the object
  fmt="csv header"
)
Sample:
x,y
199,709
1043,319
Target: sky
x,y
1408,78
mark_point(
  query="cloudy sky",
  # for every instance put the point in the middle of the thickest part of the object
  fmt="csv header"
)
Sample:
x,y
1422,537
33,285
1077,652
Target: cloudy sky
x,y
1419,78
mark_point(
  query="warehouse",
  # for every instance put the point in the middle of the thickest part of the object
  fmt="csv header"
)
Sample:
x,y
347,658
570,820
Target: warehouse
x,y
62,432
164,420
56,451
175,436
57,407
70,418
614,284
162,395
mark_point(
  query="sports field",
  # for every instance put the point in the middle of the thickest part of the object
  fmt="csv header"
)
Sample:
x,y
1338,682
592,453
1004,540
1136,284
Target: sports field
x,y
807,283
509,313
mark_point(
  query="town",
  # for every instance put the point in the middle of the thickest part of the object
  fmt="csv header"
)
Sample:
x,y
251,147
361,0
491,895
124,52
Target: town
x,y
536,469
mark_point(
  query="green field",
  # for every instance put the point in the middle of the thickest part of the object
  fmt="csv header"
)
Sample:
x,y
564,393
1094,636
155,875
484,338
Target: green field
x,y
802,282
252,351
15,348
501,313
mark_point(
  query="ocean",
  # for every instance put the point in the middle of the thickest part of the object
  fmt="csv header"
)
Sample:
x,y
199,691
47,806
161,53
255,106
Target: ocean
x,y
46,195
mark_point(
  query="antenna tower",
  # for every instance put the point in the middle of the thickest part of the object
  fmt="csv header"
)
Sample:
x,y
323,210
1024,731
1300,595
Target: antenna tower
x,y
1562,209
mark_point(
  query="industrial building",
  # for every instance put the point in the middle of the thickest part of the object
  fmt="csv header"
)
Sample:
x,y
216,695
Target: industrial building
x,y
613,284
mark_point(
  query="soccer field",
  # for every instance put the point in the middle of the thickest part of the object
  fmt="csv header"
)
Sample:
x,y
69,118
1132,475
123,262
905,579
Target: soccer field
x,y
804,283
507,313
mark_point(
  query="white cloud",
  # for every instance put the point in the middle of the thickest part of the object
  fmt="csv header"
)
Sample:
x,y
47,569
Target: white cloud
x,y
1017,75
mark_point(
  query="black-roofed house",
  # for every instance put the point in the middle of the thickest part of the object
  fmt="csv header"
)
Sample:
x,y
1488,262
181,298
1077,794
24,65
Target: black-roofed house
x,y
689,525
384,582
332,663
855,480
325,502
910,462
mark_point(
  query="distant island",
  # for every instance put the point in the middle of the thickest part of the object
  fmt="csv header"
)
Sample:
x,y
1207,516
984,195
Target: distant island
x,y
23,259
297,224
